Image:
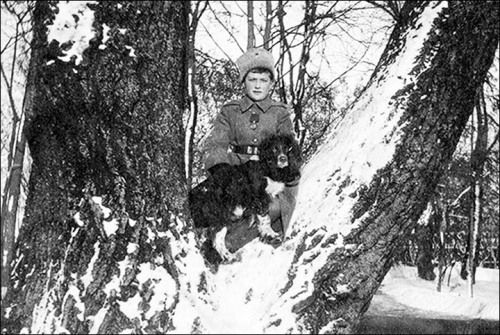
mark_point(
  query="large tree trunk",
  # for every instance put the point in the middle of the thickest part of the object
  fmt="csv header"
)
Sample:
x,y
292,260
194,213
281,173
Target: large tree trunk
x,y
384,161
107,133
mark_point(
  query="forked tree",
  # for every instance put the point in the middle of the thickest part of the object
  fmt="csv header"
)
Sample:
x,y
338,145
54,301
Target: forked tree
x,y
107,244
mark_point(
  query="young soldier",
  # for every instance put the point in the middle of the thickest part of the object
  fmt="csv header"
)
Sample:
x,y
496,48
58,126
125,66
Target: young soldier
x,y
239,128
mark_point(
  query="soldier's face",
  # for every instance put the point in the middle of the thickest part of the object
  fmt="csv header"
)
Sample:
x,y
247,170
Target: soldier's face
x,y
258,85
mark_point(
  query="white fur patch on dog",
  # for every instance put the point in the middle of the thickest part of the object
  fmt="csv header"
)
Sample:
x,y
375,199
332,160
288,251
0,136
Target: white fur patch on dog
x,y
219,243
238,211
264,226
274,188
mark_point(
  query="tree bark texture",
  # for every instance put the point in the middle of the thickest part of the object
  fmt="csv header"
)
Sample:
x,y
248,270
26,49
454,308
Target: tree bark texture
x,y
250,26
433,105
268,25
107,133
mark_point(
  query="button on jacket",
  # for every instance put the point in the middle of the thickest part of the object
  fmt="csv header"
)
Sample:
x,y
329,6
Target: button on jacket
x,y
244,122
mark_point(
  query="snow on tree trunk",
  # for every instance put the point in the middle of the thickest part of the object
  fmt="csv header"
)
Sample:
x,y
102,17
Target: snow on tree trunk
x,y
425,231
363,192
106,246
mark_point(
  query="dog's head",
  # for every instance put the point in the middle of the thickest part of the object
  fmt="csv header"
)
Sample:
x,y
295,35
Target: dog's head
x,y
281,157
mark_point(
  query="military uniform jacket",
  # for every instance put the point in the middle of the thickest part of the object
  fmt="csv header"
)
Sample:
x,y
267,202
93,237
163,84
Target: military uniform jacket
x,y
244,122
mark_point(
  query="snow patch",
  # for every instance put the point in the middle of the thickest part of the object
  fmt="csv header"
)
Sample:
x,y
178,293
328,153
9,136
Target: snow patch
x,y
87,278
4,258
131,51
105,36
130,307
96,320
106,212
77,219
113,287
110,227
161,283
195,281
74,292
402,285
132,247
73,24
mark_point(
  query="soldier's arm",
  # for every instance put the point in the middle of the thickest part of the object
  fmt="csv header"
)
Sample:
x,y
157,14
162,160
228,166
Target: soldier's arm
x,y
216,146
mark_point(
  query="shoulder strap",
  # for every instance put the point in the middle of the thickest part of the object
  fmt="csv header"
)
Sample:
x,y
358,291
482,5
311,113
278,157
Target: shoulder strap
x,y
231,103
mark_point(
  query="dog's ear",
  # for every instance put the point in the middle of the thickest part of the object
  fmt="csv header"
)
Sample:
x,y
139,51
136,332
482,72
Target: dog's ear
x,y
265,150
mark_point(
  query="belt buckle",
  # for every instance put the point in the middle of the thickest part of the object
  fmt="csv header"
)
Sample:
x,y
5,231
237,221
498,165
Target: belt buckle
x,y
249,150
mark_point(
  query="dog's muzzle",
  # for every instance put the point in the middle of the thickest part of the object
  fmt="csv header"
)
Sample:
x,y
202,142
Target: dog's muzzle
x,y
282,161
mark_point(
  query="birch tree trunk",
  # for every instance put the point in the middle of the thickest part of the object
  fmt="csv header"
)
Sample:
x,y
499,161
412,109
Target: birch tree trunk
x,y
443,226
250,26
192,112
478,159
268,25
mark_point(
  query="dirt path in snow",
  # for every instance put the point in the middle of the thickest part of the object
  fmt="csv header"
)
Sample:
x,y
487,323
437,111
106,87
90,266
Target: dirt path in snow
x,y
387,316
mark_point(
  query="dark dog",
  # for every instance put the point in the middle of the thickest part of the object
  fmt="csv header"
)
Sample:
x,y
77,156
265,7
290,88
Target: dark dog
x,y
243,194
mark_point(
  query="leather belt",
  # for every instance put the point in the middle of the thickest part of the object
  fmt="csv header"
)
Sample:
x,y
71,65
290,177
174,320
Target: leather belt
x,y
244,149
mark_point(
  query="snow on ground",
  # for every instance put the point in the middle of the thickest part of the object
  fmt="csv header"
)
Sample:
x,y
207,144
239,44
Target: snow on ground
x,y
402,293
246,291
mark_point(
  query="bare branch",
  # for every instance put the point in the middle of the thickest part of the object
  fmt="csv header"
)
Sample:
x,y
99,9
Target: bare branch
x,y
215,41
15,116
225,28
390,8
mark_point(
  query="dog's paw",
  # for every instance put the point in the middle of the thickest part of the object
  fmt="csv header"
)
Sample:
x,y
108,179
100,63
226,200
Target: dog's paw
x,y
264,226
220,245
274,241
274,188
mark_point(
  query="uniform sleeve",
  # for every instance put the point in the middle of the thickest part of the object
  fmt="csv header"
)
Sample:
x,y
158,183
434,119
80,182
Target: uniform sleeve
x,y
216,146
285,124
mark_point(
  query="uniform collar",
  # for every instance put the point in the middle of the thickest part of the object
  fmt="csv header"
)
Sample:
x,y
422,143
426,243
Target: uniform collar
x,y
246,103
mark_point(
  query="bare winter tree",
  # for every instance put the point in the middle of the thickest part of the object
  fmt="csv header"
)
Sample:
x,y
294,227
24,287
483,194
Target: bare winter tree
x,y
192,119
268,25
250,26
107,245
299,84
479,154
14,130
